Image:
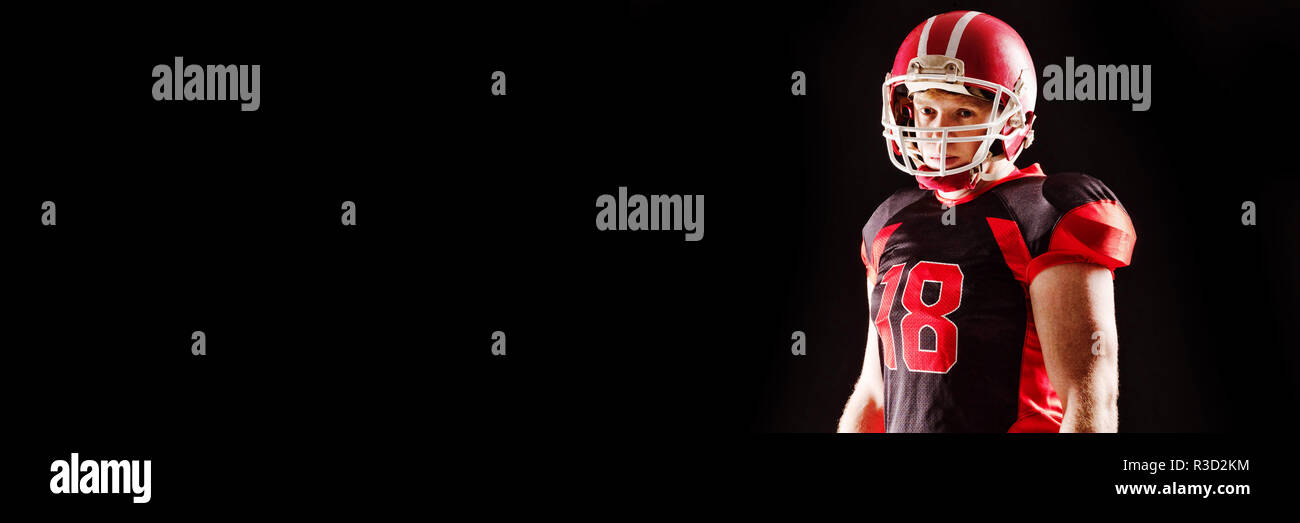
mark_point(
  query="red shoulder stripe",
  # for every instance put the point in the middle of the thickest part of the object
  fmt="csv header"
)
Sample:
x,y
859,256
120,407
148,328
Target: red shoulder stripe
x,y
1097,232
1038,407
878,247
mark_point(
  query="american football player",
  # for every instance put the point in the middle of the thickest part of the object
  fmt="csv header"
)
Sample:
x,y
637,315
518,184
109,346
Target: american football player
x,y
990,286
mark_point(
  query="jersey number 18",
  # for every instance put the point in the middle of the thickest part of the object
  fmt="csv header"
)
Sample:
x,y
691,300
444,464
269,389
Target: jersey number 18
x,y
921,315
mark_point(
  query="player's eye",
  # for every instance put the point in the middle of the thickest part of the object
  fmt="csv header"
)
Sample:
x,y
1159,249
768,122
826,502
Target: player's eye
x,y
928,111
965,113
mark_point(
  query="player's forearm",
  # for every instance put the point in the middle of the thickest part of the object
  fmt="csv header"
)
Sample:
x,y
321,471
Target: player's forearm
x,y
1092,405
852,415
863,413
1074,311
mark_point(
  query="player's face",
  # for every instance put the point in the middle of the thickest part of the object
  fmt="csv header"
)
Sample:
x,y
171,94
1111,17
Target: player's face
x,y
936,108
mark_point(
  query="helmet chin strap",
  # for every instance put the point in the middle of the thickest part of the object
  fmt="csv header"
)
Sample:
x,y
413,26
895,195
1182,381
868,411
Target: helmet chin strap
x,y
990,169
976,173
983,171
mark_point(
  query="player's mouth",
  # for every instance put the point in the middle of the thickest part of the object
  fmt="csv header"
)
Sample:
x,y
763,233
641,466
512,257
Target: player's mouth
x,y
948,162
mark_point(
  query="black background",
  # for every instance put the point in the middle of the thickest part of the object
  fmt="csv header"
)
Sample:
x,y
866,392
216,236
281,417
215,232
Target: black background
x,y
349,368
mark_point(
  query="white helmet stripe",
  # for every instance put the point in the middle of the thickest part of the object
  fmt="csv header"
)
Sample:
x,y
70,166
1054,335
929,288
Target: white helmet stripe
x,y
925,36
957,30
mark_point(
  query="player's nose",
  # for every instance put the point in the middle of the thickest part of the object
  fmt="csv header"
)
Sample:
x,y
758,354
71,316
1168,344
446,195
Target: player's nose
x,y
935,133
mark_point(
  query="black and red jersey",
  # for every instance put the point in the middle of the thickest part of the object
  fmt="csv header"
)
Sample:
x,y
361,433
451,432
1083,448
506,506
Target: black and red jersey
x,y
958,347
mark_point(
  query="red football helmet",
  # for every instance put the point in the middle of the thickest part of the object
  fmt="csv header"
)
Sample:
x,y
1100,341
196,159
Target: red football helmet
x,y
970,53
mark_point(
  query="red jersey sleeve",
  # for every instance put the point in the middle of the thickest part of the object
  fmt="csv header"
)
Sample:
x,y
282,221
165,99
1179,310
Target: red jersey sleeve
x,y
1097,232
